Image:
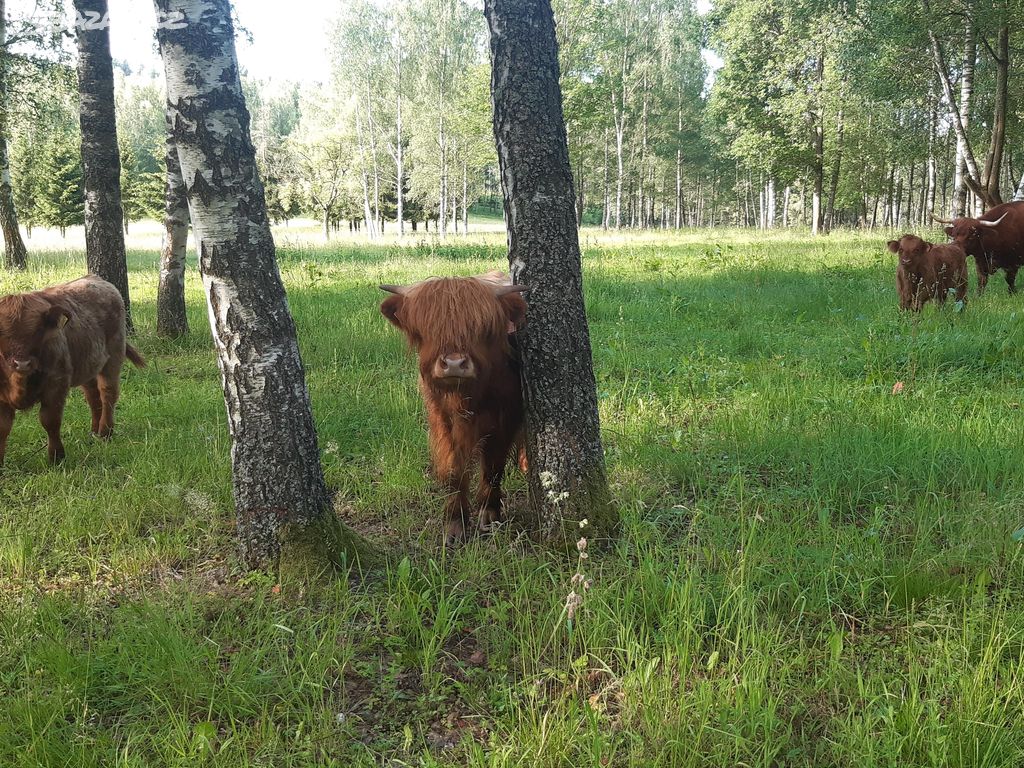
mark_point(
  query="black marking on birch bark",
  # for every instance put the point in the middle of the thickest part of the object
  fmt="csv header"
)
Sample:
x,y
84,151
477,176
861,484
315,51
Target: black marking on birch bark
x,y
278,484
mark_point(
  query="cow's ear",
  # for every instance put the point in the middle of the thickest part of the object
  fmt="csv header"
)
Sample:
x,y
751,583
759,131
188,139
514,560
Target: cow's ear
x,y
56,316
515,310
893,246
390,308
949,231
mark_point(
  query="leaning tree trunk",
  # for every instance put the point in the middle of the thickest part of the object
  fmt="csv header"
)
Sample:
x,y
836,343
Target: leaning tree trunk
x,y
994,158
171,319
101,158
282,504
567,473
15,253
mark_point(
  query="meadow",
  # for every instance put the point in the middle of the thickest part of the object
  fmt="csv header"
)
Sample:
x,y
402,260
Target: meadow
x,y
820,562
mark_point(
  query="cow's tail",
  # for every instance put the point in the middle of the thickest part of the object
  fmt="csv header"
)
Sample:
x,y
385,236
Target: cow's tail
x,y
133,354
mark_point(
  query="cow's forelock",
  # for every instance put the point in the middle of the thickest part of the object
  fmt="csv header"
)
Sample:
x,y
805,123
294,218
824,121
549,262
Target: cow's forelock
x,y
455,316
22,324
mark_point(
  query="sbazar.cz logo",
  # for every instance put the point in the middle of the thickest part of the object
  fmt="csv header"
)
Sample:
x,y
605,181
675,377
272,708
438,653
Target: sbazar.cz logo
x,y
93,20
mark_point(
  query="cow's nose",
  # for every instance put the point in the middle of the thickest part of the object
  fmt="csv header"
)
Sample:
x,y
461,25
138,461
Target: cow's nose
x,y
22,365
455,365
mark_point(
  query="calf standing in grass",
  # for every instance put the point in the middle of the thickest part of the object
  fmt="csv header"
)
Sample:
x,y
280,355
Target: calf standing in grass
x,y
469,378
927,271
70,335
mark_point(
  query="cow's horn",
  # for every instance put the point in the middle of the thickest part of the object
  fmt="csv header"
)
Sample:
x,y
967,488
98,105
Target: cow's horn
x,y
503,290
940,221
400,290
993,223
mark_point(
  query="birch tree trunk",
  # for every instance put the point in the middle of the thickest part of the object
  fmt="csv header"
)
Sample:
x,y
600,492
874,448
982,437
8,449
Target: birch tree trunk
x,y
933,138
817,211
465,198
966,96
15,253
368,214
567,473
399,151
171,319
282,504
972,177
620,128
994,158
101,157
606,214
833,183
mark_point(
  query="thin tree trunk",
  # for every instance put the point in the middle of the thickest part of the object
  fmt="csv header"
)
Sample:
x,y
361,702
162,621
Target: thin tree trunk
x,y
933,138
620,127
605,219
15,253
679,155
994,159
580,188
101,157
171,319
833,184
284,513
817,212
465,198
567,474
399,151
371,132
368,215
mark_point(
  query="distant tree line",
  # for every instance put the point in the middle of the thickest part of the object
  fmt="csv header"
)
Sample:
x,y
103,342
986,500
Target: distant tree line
x,y
823,114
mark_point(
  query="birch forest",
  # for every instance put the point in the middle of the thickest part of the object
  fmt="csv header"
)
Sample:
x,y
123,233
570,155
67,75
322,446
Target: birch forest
x,y
754,113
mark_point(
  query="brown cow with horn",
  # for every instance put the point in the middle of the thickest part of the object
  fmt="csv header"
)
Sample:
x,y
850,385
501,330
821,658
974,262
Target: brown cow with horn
x,y
995,240
462,330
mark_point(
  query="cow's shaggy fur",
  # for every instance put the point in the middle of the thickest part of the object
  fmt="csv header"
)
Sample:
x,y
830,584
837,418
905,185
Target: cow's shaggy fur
x,y
926,271
70,335
477,415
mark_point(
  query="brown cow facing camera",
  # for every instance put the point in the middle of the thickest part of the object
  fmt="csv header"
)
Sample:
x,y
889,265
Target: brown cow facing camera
x,y
469,377
70,335
928,271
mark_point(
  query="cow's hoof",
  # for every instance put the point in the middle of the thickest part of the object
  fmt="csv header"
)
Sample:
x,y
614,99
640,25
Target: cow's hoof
x,y
455,535
490,521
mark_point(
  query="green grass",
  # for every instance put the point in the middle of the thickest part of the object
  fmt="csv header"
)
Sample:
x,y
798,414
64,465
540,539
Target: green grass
x,y
813,570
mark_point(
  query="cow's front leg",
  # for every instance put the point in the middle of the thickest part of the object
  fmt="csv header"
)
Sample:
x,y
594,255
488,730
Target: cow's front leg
x,y
1011,279
492,464
451,462
51,414
981,269
6,422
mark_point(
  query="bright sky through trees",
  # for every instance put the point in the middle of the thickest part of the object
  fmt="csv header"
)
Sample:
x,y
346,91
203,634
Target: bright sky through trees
x,y
289,40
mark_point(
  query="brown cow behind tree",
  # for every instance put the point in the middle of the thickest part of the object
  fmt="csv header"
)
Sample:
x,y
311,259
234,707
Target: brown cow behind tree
x,y
469,378
926,271
69,335
995,240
